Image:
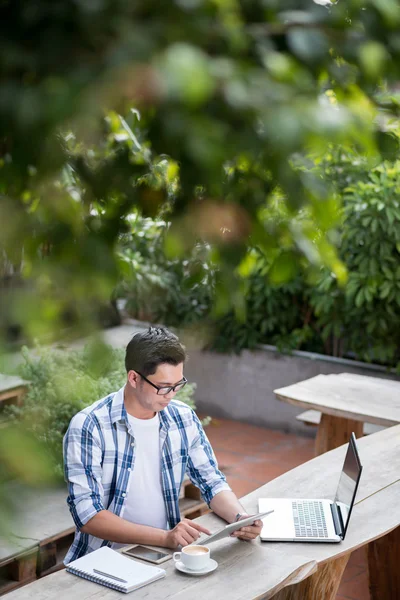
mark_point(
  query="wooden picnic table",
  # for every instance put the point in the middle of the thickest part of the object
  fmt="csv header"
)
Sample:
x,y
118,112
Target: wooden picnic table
x,y
283,571
346,402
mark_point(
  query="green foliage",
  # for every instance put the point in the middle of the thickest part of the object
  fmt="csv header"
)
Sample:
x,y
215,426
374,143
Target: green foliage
x,y
364,318
313,311
177,292
231,96
64,382
228,93
274,314
288,302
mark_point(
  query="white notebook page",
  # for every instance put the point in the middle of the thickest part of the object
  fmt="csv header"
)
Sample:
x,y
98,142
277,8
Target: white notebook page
x,y
135,573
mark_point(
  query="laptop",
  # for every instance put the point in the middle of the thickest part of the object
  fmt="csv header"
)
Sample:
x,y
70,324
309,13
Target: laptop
x,y
315,520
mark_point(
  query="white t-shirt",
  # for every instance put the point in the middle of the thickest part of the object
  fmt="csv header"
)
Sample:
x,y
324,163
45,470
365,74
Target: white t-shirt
x,y
144,503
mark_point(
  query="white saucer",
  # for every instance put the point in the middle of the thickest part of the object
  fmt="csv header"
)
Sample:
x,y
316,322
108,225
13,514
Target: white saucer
x,y
212,566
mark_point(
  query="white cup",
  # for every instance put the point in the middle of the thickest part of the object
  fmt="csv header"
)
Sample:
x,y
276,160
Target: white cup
x,y
194,557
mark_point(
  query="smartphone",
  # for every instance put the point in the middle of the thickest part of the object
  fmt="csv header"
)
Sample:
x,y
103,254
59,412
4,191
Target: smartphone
x,y
148,554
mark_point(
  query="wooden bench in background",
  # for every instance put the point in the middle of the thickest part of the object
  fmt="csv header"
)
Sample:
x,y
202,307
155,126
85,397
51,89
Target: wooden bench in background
x,y
12,389
45,531
313,418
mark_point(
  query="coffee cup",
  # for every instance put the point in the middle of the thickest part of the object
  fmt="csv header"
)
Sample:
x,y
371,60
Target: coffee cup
x,y
193,557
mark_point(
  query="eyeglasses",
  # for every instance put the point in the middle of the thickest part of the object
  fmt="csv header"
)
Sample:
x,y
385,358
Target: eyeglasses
x,y
163,391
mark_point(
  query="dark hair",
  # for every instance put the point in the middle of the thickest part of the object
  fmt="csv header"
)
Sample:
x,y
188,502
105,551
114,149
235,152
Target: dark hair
x,y
151,348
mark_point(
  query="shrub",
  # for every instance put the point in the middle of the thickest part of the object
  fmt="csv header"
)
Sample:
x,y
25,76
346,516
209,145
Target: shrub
x,y
312,311
289,303
274,315
363,319
175,292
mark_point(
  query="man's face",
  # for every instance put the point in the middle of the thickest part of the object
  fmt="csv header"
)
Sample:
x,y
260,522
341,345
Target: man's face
x,y
166,375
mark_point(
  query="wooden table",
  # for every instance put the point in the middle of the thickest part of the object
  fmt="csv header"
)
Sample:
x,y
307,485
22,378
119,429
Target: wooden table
x,y
283,571
346,402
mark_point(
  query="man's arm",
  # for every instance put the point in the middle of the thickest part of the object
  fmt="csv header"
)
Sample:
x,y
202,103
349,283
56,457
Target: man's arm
x,y
107,526
226,505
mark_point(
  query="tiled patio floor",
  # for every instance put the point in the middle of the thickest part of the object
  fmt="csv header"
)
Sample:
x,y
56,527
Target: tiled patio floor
x,y
250,456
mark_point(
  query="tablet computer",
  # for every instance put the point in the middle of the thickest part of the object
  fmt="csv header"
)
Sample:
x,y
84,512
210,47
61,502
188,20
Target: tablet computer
x,y
228,529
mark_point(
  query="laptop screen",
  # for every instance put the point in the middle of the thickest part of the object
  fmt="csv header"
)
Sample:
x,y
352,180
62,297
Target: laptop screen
x,y
348,482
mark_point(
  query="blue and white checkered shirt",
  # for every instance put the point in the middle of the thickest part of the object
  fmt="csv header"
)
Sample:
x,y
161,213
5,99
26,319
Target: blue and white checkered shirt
x,y
99,457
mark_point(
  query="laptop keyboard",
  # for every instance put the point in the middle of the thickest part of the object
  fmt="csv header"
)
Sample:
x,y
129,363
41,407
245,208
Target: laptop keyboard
x,y
309,519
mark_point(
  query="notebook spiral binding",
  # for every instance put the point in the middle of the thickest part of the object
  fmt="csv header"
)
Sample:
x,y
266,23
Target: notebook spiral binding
x,y
97,579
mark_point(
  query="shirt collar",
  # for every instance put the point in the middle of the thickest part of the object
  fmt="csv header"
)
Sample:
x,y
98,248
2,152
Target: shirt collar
x,y
164,419
118,410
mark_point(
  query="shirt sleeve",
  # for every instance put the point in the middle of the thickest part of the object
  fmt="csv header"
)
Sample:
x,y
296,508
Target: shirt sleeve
x,y
82,468
202,465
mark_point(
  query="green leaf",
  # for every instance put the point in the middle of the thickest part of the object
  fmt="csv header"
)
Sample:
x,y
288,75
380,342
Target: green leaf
x,y
284,268
360,298
390,215
385,290
389,274
186,73
373,57
366,221
388,144
248,265
308,44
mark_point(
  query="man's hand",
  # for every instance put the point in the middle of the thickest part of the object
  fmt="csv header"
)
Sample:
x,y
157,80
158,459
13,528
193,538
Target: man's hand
x,y
251,532
185,533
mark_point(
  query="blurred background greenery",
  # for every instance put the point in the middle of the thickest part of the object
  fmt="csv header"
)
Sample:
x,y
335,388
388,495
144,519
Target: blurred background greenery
x,y
229,166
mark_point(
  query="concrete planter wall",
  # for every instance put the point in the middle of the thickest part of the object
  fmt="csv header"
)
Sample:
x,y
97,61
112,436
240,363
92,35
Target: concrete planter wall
x,y
241,387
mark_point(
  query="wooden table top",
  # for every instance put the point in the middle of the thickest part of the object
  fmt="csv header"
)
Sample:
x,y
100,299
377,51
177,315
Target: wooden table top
x,y
258,569
357,397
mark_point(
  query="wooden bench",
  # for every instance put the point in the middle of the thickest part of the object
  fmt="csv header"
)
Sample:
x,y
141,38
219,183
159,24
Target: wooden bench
x,y
12,389
313,418
17,569
191,504
45,531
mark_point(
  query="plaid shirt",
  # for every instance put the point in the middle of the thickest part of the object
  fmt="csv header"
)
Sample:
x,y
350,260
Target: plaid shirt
x,y
99,457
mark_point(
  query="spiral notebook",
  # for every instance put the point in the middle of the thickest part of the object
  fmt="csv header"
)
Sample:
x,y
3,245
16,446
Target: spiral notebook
x,y
110,568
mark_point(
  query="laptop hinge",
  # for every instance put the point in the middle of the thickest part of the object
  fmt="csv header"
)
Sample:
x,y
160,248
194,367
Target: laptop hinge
x,y
337,519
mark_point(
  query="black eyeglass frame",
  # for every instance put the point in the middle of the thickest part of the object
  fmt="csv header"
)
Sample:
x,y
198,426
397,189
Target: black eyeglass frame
x,y
181,384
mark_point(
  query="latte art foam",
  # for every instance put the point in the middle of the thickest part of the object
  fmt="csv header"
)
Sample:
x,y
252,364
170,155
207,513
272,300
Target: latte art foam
x,y
199,550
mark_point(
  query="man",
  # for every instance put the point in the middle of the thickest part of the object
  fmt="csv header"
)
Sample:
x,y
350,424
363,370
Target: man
x,y
126,455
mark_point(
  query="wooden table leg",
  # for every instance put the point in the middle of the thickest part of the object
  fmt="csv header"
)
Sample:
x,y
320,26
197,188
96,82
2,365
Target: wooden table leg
x,y
334,432
322,585
384,566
